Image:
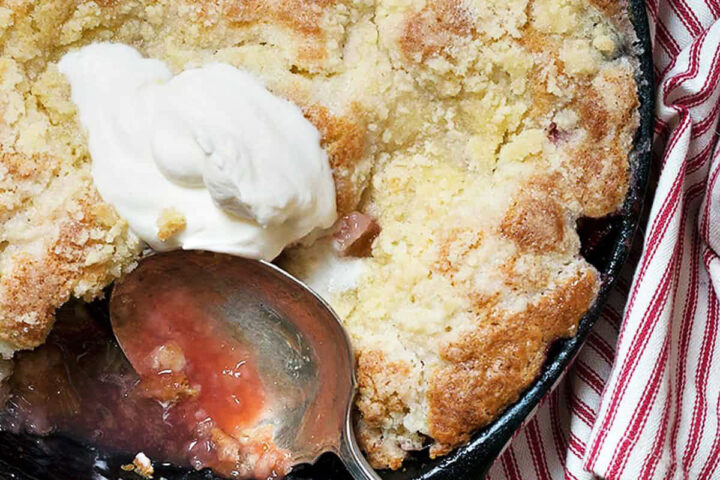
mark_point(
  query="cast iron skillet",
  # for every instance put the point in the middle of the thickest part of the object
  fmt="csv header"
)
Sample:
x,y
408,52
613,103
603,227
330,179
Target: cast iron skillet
x,y
25,457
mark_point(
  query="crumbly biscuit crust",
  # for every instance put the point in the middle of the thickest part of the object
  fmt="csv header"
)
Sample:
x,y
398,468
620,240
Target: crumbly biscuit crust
x,y
476,132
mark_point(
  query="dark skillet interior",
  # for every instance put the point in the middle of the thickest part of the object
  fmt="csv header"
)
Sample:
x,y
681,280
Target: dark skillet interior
x,y
606,245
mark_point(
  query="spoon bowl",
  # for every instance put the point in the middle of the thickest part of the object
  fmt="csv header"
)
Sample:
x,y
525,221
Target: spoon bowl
x,y
296,343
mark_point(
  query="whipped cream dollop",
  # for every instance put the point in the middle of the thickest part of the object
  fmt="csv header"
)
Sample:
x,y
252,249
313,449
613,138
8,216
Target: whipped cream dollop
x,y
242,168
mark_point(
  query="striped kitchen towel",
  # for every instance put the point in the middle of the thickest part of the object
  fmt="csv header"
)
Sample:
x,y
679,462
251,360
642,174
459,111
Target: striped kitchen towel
x,y
642,400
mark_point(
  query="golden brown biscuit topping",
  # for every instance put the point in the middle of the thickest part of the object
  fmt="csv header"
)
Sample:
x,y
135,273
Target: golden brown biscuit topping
x,y
476,133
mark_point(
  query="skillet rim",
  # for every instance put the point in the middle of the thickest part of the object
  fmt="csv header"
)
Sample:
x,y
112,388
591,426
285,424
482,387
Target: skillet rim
x,y
24,457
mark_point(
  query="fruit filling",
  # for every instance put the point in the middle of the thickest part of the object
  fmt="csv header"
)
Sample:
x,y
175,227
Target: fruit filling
x,y
193,399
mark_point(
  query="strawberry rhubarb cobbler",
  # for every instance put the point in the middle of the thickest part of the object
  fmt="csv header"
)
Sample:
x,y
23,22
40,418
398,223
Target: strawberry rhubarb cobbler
x,y
462,140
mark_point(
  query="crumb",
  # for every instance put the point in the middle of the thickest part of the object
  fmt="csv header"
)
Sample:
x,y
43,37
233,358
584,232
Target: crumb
x,y
170,223
143,465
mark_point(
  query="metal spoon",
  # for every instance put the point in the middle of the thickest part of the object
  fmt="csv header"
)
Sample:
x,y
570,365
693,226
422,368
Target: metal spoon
x,y
297,341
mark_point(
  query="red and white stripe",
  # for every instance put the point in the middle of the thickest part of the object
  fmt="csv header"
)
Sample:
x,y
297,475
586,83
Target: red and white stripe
x,y
642,399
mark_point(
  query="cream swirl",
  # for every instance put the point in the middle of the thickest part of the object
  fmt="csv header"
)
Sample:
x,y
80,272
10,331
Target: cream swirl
x,y
243,166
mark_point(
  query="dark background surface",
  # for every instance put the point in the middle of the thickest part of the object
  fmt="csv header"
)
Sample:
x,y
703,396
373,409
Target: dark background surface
x,y
606,245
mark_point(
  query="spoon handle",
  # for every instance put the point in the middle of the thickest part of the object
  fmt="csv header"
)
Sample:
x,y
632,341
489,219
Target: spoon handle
x,y
353,458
